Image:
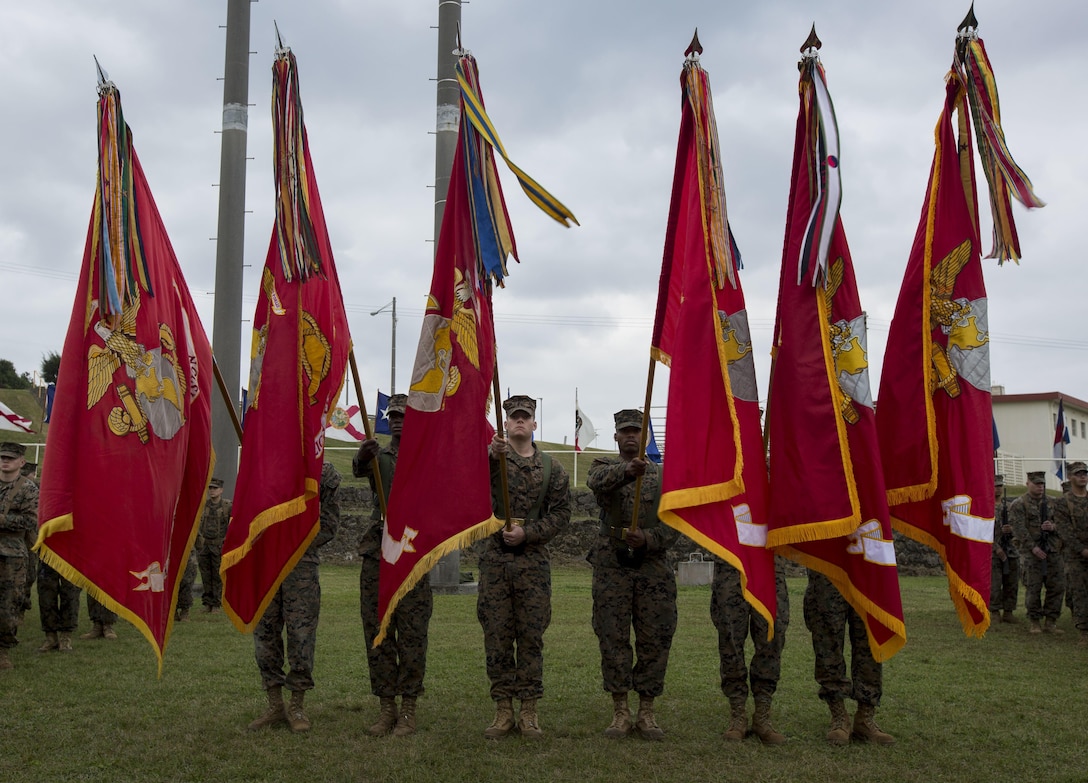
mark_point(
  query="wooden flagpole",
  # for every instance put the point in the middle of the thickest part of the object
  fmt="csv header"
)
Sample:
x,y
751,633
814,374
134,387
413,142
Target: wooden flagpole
x,y
374,468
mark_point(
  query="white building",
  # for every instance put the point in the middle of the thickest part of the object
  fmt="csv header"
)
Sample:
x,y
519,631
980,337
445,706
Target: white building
x,y
1025,430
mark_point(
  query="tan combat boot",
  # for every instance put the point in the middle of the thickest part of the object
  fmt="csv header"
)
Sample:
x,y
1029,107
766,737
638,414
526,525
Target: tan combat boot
x,y
839,733
528,723
50,642
1051,626
738,719
504,720
1083,641
108,632
761,723
295,714
5,659
94,633
646,723
865,728
181,615
387,718
406,718
64,641
1035,627
1008,617
621,724
275,714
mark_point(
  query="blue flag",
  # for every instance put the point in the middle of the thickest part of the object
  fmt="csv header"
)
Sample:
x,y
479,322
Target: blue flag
x,y
50,392
652,451
381,415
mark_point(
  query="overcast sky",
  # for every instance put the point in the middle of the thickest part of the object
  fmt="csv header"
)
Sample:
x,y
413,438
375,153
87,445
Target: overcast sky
x,y
586,98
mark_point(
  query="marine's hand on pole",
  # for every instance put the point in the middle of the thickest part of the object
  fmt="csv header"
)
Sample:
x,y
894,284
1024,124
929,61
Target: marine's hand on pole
x,y
368,450
636,467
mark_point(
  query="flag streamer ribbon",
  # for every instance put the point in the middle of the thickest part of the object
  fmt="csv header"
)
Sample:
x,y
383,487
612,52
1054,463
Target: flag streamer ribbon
x,y
1003,175
473,107
119,249
300,252
824,153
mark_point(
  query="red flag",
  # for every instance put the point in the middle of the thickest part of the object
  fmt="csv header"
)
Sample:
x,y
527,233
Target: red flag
x,y
828,510
714,484
440,502
128,455
936,419
299,357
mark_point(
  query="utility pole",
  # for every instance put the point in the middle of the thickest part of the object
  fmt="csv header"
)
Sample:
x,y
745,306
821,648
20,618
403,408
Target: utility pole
x,y
393,352
230,239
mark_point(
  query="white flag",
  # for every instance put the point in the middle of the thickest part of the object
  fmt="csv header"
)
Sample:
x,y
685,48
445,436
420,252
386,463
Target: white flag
x,y
583,430
10,420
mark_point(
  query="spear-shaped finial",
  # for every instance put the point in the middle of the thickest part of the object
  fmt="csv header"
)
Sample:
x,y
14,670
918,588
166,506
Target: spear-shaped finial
x,y
812,42
104,83
969,22
279,39
694,47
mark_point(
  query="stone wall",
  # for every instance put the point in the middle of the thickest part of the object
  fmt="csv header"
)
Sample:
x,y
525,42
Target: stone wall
x,y
570,546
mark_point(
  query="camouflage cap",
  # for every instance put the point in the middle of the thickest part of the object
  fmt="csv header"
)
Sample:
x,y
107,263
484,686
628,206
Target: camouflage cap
x,y
9,449
1077,467
216,483
398,403
1037,477
628,417
520,402
999,480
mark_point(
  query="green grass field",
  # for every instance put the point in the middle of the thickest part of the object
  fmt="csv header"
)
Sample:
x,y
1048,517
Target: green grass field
x,y
1009,707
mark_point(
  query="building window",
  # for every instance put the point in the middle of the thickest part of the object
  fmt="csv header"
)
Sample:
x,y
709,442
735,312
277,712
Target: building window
x,y
1072,428
1082,428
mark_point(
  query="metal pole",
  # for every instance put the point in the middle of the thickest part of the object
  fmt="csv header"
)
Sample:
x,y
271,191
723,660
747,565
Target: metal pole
x,y
448,115
393,354
230,240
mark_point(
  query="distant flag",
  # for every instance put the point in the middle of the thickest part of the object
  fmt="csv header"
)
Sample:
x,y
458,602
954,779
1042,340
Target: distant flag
x,y
50,394
652,450
10,420
128,456
584,432
935,384
820,406
714,486
438,504
300,351
381,415
346,424
1061,438
997,440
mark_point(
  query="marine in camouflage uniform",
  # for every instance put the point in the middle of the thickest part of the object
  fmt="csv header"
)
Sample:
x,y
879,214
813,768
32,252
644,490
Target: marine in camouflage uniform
x,y
185,589
213,529
1005,559
829,617
18,518
736,620
633,584
1071,517
1044,569
295,609
397,666
514,600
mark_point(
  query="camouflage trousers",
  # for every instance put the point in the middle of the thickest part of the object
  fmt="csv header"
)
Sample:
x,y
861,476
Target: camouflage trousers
x,y
736,620
31,579
1004,584
99,614
185,589
643,598
1036,584
211,582
514,607
827,616
293,612
1076,590
398,665
12,579
58,601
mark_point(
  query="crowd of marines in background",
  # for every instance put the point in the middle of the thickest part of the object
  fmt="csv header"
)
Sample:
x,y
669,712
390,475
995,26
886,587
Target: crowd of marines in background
x,y
1039,540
